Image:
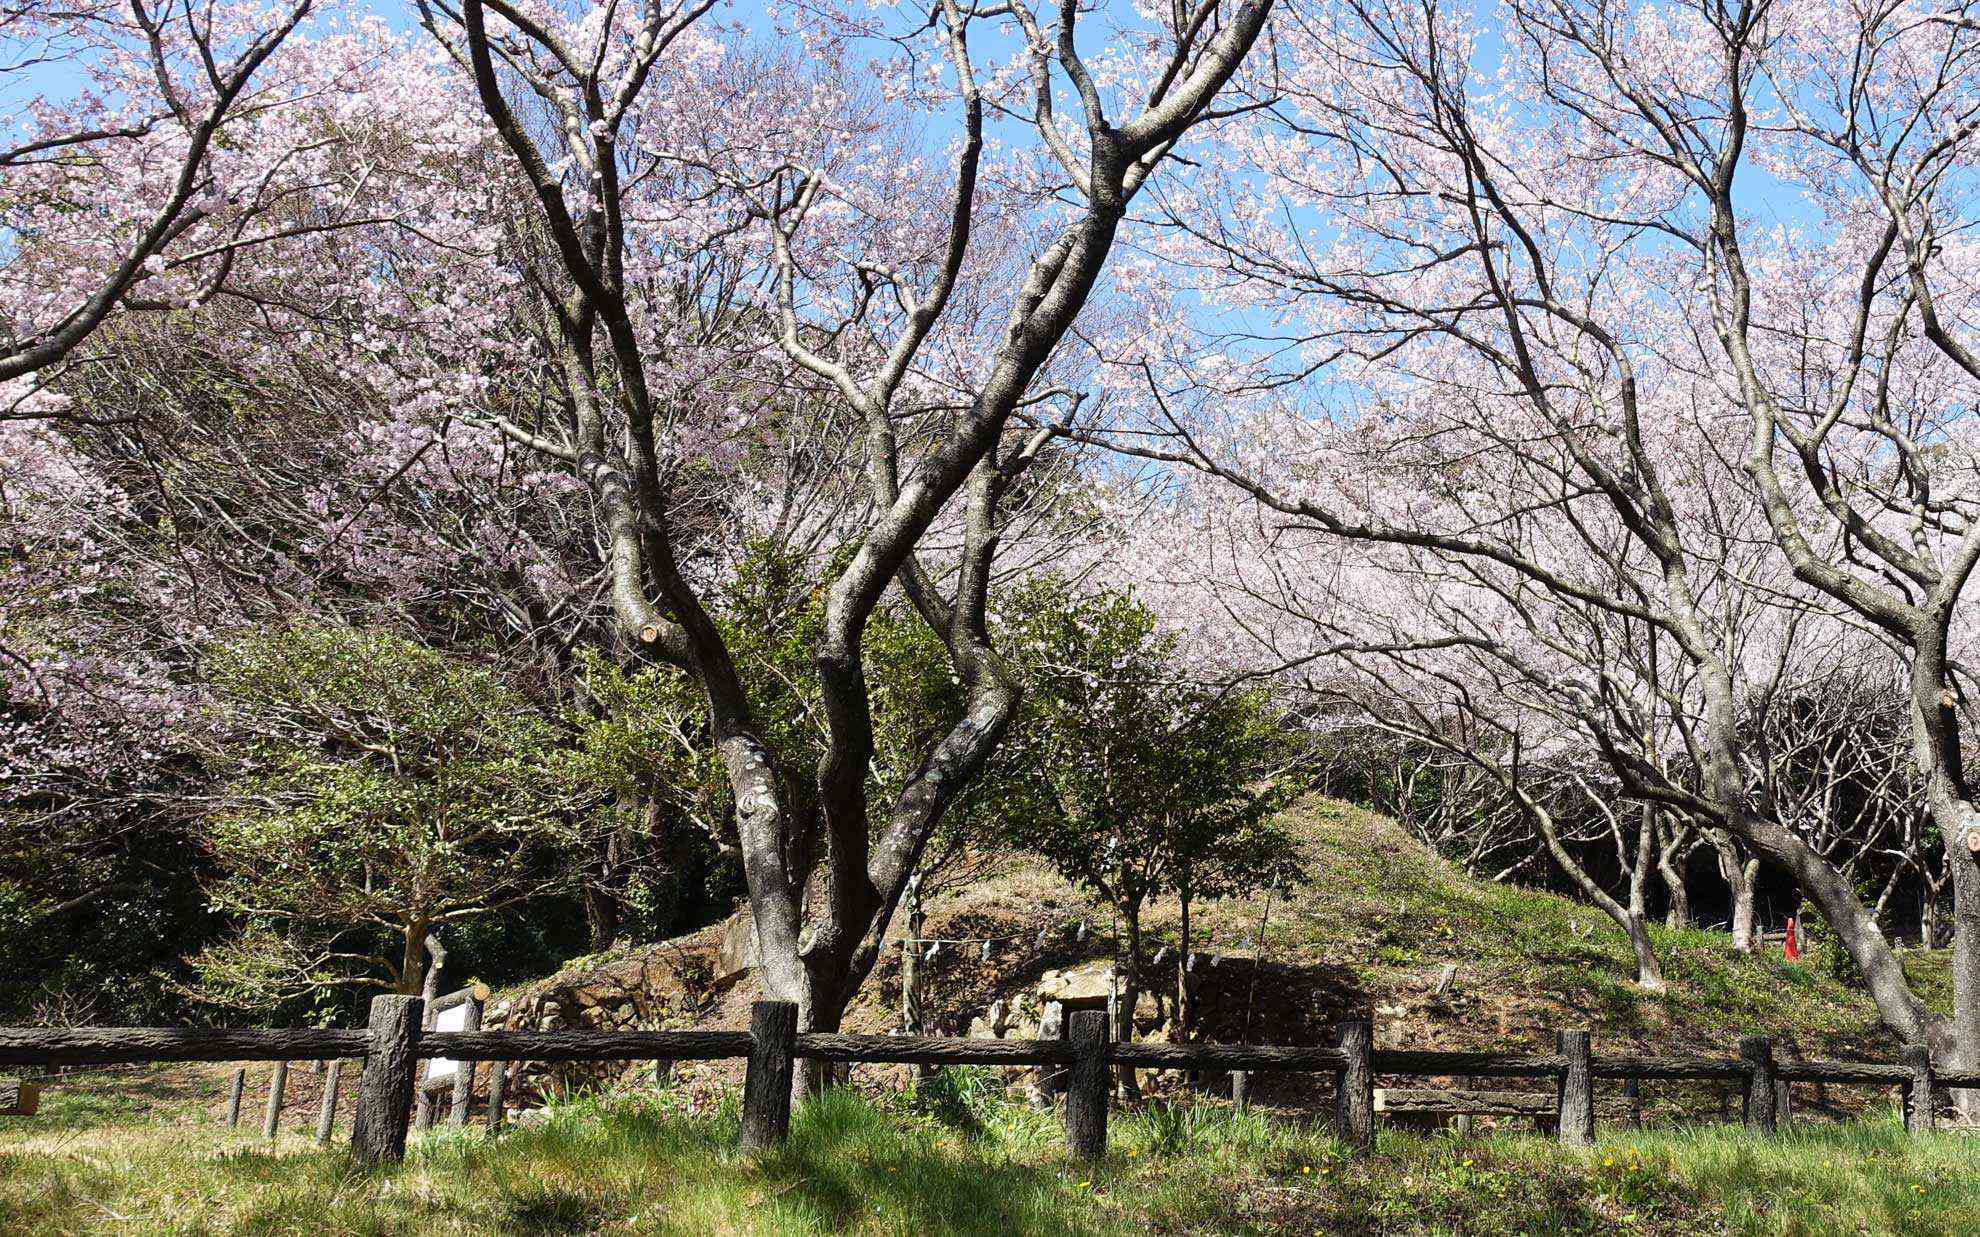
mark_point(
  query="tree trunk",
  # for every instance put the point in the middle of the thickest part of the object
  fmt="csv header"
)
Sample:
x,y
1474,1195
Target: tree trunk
x,y
1649,975
1740,874
416,942
429,988
1678,916
1185,1015
601,915
1636,925
1129,993
1830,891
1960,1046
821,999
1629,918
436,954
1671,861
911,1020
603,905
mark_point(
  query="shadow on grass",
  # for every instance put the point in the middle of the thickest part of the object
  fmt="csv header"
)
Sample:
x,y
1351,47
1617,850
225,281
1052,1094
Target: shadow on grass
x,y
98,1097
847,1160
553,1211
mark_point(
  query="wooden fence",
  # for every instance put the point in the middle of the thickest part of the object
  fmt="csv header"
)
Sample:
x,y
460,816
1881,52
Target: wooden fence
x,y
396,1041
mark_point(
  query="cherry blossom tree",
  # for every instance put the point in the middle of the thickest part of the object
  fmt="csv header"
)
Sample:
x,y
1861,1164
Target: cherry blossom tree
x,y
877,297
152,148
1501,318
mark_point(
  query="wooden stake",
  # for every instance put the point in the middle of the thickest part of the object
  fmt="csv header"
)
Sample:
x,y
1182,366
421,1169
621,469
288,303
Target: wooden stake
x,y
235,1085
1576,1091
498,1082
463,1099
1086,1091
385,1090
1920,1114
1758,1053
276,1085
326,1116
766,1114
1354,1098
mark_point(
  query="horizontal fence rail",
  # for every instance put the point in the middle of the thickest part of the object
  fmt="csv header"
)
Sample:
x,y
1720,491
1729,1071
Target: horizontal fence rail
x,y
1670,1069
932,1050
396,1042
584,1045
1247,1057
133,1045
1458,1064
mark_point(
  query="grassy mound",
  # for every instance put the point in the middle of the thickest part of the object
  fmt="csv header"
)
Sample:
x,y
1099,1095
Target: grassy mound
x,y
1380,919
1528,958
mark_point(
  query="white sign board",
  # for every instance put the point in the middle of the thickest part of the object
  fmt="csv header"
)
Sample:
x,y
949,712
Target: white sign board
x,y
454,1019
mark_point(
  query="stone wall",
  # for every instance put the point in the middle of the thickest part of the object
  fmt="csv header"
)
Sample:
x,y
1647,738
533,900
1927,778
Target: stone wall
x,y
668,986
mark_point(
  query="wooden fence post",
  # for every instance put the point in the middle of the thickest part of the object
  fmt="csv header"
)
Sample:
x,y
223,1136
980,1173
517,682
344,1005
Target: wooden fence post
x,y
1920,1112
498,1084
1240,1090
326,1115
1354,1089
1633,1092
1576,1090
235,1086
272,1120
766,1111
385,1089
663,1074
1757,1051
463,1099
422,1118
1086,1090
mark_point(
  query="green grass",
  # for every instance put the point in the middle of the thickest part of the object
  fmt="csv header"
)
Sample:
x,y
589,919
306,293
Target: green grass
x,y
955,1158
122,1096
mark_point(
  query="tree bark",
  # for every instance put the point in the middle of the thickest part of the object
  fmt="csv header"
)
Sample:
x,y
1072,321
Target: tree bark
x,y
911,1021
1672,853
429,990
1740,874
1185,1013
414,948
1129,994
1649,972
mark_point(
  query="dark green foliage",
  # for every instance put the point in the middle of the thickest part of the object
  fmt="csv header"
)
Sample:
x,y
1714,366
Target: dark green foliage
x,y
371,789
653,734
1132,780
1829,952
113,960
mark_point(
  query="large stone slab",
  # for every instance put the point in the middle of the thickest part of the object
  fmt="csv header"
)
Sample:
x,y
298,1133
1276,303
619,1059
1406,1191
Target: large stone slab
x,y
739,953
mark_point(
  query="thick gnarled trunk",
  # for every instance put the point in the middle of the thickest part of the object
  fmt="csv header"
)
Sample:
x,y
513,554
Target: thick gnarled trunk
x,y
825,869
1740,873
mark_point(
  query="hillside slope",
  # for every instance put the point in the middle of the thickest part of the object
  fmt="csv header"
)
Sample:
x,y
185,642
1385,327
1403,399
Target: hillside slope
x,y
1374,929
